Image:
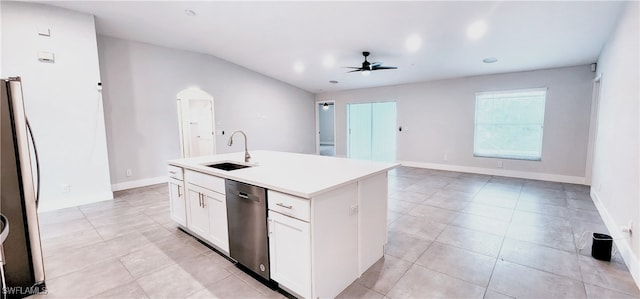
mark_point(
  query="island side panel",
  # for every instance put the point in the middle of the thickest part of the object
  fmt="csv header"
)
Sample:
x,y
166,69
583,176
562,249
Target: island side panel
x,y
372,205
334,238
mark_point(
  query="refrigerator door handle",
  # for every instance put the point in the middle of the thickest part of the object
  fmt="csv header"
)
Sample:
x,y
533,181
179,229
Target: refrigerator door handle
x,y
35,153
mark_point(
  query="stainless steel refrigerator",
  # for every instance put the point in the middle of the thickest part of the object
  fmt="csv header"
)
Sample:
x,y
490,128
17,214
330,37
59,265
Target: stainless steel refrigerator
x,y
23,268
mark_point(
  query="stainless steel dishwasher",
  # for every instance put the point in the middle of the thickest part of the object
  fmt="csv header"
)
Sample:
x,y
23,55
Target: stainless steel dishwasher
x,y
247,219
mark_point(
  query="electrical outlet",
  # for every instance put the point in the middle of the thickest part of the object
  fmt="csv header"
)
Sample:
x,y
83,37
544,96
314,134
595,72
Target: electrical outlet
x,y
66,188
129,172
353,209
499,164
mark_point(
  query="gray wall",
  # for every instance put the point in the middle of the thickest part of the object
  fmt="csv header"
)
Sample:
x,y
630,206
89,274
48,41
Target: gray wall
x,y
140,86
616,167
438,119
326,125
61,99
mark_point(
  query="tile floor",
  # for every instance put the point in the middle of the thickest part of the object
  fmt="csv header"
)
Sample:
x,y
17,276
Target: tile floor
x,y
451,235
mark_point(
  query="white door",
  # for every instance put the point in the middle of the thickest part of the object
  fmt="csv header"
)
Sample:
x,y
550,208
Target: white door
x,y
218,227
197,123
177,201
198,218
290,253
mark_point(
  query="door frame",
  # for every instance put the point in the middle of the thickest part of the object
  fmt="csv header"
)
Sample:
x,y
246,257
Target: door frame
x,y
317,109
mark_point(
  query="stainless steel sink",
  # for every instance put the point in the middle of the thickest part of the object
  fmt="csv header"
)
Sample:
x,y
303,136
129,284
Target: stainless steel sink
x,y
228,166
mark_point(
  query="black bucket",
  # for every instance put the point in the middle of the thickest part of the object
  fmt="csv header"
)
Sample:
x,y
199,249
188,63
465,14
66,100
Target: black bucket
x,y
601,248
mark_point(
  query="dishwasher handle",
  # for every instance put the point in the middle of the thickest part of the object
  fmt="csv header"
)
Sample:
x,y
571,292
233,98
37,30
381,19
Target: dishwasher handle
x,y
243,195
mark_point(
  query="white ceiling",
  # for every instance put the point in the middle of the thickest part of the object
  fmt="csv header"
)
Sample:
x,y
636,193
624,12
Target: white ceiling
x,y
270,37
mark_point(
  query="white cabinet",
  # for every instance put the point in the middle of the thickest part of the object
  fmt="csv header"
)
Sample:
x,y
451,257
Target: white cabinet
x,y
207,215
290,253
177,203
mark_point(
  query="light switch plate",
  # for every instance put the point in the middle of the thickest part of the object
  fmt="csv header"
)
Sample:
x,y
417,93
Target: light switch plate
x,y
46,57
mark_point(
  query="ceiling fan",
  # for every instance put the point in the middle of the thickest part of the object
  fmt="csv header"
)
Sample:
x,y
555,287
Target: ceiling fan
x,y
370,66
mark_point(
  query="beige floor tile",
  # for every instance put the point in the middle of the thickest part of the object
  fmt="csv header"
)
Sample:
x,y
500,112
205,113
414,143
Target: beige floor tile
x,y
524,282
541,208
581,204
447,203
542,258
488,211
459,263
230,287
454,194
65,262
170,282
405,247
417,227
559,239
596,292
482,224
613,276
57,216
130,290
491,294
535,219
69,242
408,196
498,201
434,214
419,282
384,274
90,281
356,290
204,268
66,228
479,242
146,260
400,206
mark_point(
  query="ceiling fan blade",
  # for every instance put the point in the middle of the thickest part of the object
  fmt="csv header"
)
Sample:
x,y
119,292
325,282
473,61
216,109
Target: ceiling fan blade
x,y
357,70
384,68
376,64
352,67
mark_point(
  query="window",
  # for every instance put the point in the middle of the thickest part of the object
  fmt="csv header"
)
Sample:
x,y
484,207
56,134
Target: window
x,y
509,124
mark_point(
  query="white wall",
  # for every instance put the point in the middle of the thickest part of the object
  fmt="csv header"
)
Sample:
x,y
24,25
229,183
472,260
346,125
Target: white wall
x,y
438,118
61,99
616,181
140,86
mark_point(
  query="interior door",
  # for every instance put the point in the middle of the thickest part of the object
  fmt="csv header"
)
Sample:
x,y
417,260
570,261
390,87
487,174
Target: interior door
x,y
360,131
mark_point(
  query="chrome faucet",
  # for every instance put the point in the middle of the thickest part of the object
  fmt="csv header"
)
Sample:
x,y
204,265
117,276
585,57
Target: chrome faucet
x,y
246,152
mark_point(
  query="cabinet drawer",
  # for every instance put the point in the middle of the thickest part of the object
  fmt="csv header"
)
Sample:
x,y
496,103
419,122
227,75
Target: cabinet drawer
x,y
175,172
289,205
210,182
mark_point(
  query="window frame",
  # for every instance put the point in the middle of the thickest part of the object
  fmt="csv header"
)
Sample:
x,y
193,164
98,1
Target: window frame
x,y
542,121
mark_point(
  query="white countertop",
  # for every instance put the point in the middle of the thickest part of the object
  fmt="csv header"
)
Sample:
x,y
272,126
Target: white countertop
x,y
296,174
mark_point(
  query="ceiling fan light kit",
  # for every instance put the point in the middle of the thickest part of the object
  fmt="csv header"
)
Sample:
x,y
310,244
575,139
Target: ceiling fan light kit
x,y
368,67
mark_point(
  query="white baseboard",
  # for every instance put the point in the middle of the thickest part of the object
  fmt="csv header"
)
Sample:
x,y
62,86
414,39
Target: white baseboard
x,y
624,247
56,203
499,172
138,183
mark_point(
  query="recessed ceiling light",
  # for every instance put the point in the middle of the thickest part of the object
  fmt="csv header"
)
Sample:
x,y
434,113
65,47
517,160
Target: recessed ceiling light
x,y
413,43
298,67
490,60
476,30
328,61
333,82
189,12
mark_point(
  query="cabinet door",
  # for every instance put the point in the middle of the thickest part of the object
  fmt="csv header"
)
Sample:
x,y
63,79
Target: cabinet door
x,y
198,213
290,253
218,228
177,202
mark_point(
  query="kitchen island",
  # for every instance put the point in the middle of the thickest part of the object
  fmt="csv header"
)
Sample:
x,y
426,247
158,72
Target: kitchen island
x,y
327,216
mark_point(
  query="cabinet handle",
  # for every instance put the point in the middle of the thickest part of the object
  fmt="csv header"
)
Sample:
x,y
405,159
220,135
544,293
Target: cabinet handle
x,y
200,199
284,206
179,195
172,172
204,201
